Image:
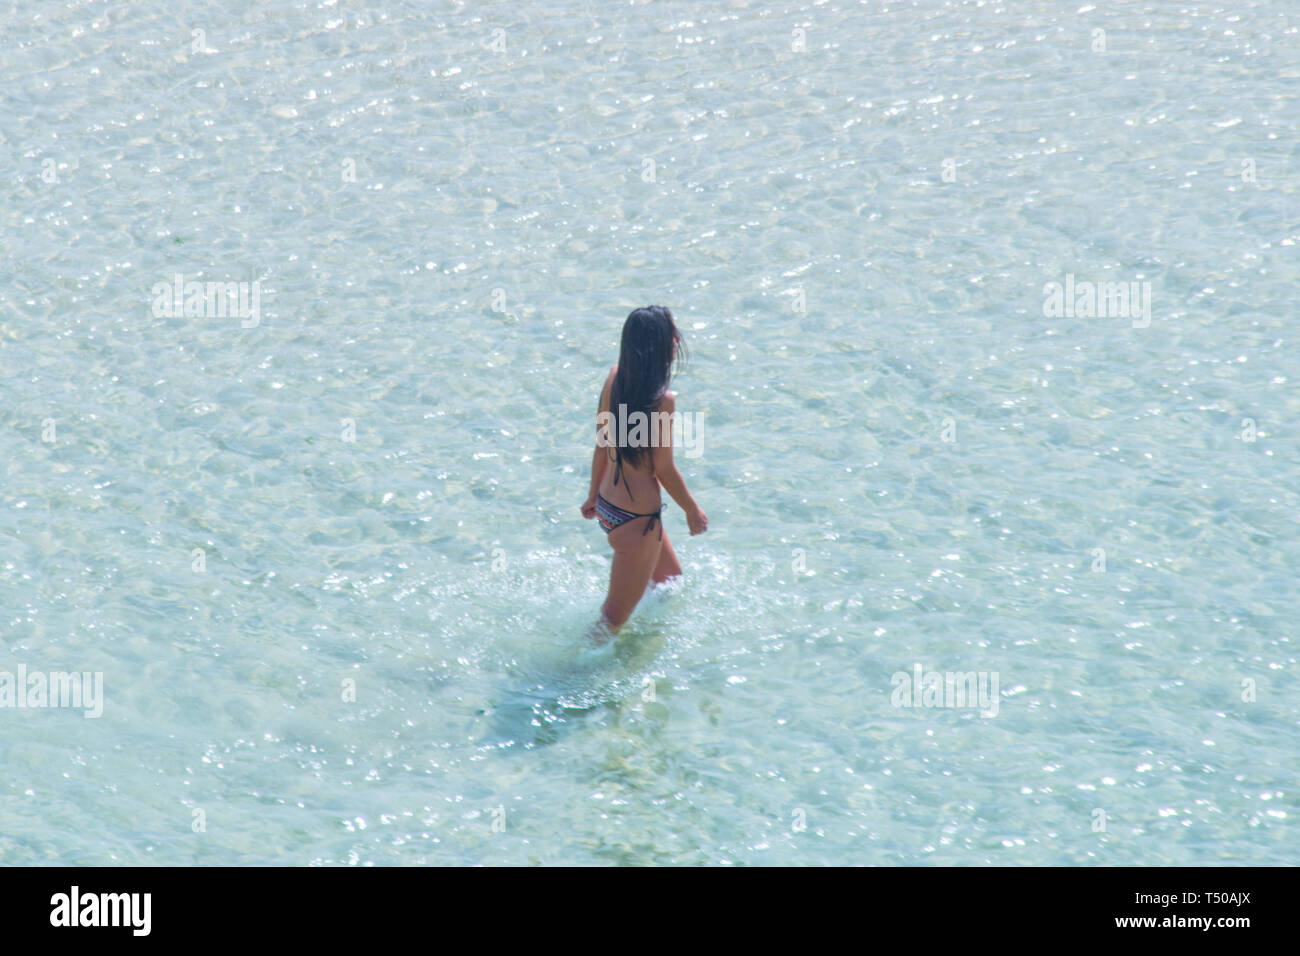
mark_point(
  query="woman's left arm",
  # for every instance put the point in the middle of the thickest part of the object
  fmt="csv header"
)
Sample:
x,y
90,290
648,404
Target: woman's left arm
x,y
599,458
598,462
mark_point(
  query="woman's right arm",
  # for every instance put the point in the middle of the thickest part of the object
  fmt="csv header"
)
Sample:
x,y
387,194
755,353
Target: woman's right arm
x,y
671,479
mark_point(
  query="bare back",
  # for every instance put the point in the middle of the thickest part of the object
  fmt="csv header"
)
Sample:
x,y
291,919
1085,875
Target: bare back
x,y
637,488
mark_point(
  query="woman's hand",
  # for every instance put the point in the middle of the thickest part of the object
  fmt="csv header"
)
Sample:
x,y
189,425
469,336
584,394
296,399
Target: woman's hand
x,y
697,521
589,507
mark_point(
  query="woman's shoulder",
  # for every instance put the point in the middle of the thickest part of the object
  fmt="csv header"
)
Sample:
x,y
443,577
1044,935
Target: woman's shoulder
x,y
606,389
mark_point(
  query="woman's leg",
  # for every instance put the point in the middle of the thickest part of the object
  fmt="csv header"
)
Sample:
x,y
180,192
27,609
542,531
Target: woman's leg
x,y
668,565
635,557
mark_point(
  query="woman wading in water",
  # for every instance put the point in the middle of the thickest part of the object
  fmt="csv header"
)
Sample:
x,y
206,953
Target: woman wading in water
x,y
631,463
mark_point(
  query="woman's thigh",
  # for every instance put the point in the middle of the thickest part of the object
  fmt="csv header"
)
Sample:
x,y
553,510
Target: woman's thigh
x,y
635,556
667,566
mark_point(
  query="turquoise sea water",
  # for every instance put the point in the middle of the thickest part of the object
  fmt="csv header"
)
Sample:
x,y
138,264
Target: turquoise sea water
x,y
853,209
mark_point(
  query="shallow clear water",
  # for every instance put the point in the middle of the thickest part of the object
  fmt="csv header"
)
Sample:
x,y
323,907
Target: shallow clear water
x,y
905,460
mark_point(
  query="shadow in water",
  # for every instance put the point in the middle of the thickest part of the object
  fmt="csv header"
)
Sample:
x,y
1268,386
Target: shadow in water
x,y
553,689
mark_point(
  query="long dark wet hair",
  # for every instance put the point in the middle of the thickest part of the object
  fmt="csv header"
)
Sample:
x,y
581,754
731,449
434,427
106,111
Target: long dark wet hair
x,y
645,364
